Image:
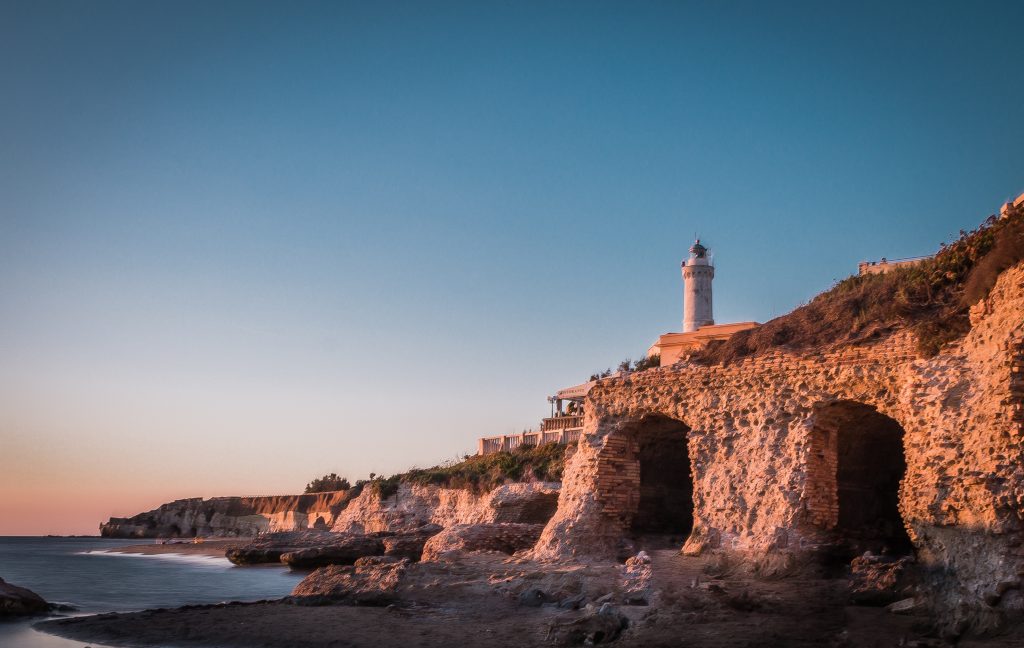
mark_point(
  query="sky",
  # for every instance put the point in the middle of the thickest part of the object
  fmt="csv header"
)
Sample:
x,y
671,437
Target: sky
x,y
246,244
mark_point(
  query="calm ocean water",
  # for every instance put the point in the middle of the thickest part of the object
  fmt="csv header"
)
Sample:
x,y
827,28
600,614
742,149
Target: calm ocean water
x,y
76,571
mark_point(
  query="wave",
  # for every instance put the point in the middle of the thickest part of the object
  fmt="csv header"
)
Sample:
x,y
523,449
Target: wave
x,y
194,559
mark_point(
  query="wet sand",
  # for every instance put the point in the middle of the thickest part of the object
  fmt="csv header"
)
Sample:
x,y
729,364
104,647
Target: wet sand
x,y
206,548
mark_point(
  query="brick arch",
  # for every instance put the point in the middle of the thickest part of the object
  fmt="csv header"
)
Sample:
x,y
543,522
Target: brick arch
x,y
855,464
644,475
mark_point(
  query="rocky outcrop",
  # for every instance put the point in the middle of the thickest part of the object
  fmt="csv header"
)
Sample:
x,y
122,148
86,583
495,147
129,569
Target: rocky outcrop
x,y
270,547
18,601
768,455
370,582
343,550
232,516
412,507
505,537
415,505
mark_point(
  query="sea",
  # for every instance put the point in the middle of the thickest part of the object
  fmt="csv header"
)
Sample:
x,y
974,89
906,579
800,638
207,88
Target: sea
x,y
83,573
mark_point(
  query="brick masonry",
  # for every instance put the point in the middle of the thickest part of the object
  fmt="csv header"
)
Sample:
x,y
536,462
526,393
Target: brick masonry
x,y
762,465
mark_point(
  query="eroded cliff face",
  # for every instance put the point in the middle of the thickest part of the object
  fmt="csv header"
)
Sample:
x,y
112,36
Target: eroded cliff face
x,y
416,505
867,445
231,516
410,508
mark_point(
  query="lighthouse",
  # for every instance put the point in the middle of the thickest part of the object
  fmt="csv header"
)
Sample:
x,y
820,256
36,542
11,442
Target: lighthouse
x,y
697,275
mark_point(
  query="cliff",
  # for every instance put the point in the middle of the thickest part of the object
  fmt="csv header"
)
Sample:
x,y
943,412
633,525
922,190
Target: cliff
x,y
410,507
414,505
232,516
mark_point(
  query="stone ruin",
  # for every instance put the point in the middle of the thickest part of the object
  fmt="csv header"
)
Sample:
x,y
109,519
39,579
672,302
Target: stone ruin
x,y
787,457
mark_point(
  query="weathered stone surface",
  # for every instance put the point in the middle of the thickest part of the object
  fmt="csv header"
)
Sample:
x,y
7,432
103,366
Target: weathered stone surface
x,y
17,601
594,625
414,506
762,453
270,547
231,516
410,545
343,551
364,584
506,537
876,580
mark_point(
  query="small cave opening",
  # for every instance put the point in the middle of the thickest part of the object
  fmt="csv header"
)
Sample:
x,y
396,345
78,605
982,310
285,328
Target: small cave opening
x,y
665,502
860,451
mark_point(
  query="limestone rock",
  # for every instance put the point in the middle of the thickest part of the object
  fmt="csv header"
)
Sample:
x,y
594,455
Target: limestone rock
x,y
343,551
415,505
270,547
877,580
410,545
18,601
363,584
592,626
505,537
231,516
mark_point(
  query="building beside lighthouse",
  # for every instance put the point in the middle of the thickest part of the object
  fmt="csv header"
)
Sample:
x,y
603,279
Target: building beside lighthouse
x,y
699,326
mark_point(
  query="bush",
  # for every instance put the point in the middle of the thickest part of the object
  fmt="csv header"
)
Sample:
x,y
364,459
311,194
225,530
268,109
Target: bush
x,y
327,483
483,473
648,362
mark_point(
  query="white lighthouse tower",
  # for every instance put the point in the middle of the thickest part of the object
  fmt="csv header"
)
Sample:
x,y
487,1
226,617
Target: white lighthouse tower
x,y
697,276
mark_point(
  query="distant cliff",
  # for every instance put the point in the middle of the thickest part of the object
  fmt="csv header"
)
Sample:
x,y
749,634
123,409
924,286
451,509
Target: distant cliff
x,y
232,516
521,486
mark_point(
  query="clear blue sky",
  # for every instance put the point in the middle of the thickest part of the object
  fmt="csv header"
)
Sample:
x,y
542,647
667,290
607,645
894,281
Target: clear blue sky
x,y
245,244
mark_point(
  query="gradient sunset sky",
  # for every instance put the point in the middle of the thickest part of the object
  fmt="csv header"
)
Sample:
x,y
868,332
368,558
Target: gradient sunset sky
x,y
245,244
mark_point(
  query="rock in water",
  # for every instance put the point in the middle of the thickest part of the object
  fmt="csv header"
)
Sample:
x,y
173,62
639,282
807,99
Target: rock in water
x,y
18,601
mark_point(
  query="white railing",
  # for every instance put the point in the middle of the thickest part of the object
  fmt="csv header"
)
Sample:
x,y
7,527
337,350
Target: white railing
x,y
509,442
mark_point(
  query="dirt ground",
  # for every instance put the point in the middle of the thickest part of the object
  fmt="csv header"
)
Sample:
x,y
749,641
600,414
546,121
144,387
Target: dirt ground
x,y
489,600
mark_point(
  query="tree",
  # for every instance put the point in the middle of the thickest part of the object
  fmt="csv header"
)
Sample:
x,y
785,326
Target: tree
x,y
331,482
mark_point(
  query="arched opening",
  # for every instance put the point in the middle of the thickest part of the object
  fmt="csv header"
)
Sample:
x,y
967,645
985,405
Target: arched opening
x,y
854,473
664,503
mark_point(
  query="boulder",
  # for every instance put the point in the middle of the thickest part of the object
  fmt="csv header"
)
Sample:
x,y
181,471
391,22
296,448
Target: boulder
x,y
270,547
18,601
880,580
344,552
410,545
592,626
506,538
375,583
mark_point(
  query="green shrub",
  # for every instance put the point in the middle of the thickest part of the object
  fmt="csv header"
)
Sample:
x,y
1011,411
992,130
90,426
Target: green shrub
x,y
331,482
483,473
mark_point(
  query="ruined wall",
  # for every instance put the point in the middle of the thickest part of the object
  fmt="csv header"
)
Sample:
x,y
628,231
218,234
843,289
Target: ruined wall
x,y
762,476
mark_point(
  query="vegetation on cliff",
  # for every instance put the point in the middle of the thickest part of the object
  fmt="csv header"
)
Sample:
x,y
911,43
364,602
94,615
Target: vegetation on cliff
x,y
647,362
931,298
483,473
328,483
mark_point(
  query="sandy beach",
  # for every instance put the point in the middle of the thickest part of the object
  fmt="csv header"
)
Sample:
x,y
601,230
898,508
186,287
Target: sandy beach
x,y
215,547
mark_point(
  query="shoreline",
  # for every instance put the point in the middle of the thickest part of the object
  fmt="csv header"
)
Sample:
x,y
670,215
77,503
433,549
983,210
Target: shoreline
x,y
482,597
213,548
